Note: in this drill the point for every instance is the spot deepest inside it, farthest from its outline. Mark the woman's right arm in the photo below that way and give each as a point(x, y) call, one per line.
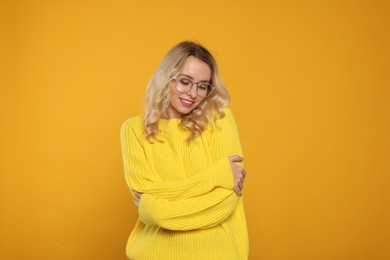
point(192, 203)
point(141, 178)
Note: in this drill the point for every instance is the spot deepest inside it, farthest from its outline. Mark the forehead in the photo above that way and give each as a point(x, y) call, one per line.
point(196, 69)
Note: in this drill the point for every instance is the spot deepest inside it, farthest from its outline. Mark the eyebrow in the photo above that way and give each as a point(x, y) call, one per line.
point(193, 78)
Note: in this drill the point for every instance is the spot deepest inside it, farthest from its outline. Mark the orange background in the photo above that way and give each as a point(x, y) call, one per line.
point(309, 82)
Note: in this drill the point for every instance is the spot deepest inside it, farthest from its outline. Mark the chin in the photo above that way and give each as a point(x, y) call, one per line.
point(186, 112)
point(191, 109)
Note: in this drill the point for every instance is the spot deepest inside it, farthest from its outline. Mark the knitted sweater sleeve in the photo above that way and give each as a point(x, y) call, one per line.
point(200, 212)
point(201, 201)
point(204, 209)
point(141, 178)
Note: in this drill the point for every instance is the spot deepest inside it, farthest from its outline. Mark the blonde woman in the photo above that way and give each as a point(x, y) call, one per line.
point(183, 164)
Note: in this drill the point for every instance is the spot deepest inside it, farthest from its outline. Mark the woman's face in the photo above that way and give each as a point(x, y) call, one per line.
point(183, 103)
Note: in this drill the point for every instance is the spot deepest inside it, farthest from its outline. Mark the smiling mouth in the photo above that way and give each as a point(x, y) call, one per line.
point(186, 103)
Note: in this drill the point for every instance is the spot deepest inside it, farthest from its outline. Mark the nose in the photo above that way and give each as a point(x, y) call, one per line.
point(193, 91)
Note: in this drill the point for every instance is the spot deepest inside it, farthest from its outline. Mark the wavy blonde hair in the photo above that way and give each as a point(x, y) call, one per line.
point(158, 92)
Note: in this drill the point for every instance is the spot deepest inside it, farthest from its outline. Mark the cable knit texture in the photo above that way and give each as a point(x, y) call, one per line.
point(188, 209)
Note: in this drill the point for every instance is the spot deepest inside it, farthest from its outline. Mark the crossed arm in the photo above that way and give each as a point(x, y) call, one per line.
point(200, 201)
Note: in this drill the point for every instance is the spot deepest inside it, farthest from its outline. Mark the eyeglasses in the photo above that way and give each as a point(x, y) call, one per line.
point(184, 84)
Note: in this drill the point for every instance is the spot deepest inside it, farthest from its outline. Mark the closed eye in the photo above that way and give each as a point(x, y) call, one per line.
point(185, 82)
point(203, 86)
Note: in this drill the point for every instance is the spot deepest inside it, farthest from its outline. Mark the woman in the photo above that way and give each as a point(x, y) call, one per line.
point(182, 163)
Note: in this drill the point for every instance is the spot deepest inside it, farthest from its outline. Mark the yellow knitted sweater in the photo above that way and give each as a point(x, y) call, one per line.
point(188, 209)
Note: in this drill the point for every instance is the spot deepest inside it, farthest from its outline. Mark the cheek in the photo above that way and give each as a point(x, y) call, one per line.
point(172, 94)
point(171, 98)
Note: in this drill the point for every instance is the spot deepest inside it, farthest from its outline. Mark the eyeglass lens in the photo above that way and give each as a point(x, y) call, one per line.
point(184, 85)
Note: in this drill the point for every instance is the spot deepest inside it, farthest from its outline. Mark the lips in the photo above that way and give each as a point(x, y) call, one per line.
point(186, 102)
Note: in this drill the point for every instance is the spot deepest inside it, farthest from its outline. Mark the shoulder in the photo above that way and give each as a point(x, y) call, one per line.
point(132, 124)
point(222, 120)
point(226, 117)
point(228, 113)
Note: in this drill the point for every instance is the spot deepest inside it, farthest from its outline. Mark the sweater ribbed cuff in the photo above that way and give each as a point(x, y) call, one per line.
point(145, 209)
point(223, 174)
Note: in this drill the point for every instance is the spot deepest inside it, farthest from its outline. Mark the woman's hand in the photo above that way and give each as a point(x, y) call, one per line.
point(238, 174)
point(136, 201)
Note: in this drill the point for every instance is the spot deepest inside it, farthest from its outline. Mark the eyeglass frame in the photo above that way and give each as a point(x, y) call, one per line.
point(177, 77)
